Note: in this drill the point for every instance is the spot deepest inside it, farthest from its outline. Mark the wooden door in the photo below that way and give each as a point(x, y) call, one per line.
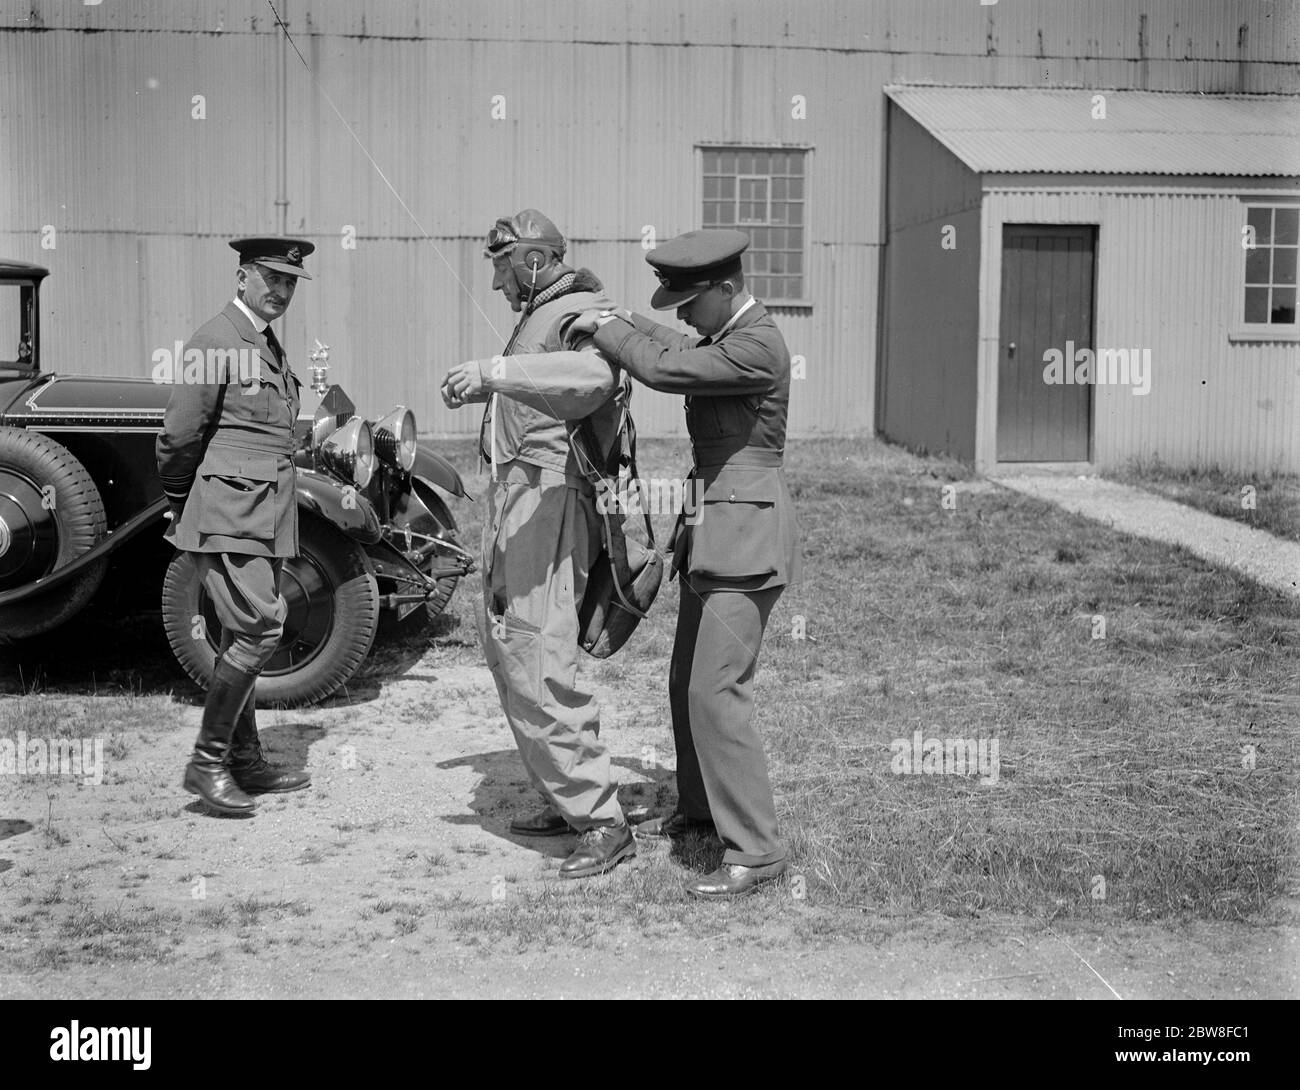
point(1047, 288)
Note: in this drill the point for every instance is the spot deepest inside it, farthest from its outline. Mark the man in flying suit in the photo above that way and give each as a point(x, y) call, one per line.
point(737, 551)
point(542, 534)
point(225, 459)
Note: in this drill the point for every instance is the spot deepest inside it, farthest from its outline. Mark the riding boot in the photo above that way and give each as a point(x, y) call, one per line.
point(207, 775)
point(248, 764)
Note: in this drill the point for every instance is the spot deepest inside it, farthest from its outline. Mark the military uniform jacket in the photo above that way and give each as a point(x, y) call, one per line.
point(226, 446)
point(739, 530)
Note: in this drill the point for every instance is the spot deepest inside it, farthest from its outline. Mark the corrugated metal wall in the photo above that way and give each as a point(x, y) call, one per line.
point(1169, 278)
point(931, 303)
point(605, 104)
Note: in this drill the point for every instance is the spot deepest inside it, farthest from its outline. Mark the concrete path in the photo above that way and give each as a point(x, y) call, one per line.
point(1263, 556)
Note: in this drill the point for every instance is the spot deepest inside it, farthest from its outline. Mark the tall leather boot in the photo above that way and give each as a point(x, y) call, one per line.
point(248, 764)
point(207, 775)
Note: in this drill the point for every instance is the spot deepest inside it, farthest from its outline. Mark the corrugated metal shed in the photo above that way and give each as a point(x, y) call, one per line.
point(1033, 130)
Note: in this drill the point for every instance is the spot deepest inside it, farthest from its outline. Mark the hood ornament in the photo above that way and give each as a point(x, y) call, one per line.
point(320, 365)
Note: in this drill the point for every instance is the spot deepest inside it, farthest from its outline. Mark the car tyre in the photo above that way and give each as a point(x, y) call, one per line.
point(38, 536)
point(333, 616)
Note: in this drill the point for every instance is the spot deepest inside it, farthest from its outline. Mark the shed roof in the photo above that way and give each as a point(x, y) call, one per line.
point(1032, 130)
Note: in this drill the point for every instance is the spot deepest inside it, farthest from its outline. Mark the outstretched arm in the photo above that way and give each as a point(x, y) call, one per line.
point(740, 363)
point(566, 385)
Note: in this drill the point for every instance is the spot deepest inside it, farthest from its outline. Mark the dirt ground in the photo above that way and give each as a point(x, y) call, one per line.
point(394, 875)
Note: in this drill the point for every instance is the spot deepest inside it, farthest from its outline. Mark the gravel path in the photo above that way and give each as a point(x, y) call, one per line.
point(1264, 557)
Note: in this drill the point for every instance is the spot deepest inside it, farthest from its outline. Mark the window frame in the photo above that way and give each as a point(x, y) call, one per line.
point(805, 301)
point(1239, 328)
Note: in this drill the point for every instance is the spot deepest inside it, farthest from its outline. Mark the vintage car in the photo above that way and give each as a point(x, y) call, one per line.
point(82, 516)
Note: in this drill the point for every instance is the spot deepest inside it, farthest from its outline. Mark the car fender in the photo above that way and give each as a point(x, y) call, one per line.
point(343, 506)
point(113, 540)
point(435, 468)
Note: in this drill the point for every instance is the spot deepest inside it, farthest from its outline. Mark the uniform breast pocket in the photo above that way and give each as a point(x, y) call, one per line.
point(235, 495)
point(256, 400)
point(731, 416)
point(736, 534)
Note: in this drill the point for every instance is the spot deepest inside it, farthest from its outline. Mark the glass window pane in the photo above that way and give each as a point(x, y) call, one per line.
point(759, 264)
point(780, 162)
point(1283, 312)
point(761, 162)
point(710, 162)
point(794, 262)
point(794, 213)
point(778, 212)
point(727, 162)
point(795, 240)
point(1285, 224)
point(1257, 304)
point(728, 188)
point(776, 262)
point(726, 214)
point(1257, 265)
point(710, 188)
point(778, 189)
point(796, 188)
point(759, 238)
point(711, 213)
point(1260, 219)
point(1283, 266)
point(796, 162)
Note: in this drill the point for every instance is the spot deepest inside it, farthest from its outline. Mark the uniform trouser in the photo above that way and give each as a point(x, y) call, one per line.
point(721, 769)
point(539, 540)
point(245, 591)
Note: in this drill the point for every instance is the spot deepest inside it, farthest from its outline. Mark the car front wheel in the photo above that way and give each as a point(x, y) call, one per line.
point(333, 615)
point(50, 513)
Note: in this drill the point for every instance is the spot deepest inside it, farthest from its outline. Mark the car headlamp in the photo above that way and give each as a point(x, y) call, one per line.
point(395, 438)
point(350, 452)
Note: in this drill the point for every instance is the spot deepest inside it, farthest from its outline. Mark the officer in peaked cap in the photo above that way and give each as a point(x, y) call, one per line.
point(225, 459)
point(693, 263)
point(282, 255)
point(738, 549)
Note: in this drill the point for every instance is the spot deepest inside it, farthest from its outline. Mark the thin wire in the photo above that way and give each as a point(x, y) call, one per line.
point(1084, 960)
point(379, 170)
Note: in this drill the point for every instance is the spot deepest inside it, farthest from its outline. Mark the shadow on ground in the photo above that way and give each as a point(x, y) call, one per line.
point(104, 651)
point(503, 792)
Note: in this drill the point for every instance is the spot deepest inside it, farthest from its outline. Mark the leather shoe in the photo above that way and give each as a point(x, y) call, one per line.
point(732, 880)
point(599, 850)
point(546, 822)
point(674, 827)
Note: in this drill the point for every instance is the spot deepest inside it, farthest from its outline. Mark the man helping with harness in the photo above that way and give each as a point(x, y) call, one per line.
point(739, 551)
point(553, 412)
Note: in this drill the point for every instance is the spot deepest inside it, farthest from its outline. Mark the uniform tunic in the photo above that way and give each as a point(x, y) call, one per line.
point(225, 453)
point(739, 549)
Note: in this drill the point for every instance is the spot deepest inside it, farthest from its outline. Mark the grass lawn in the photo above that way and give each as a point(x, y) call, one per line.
point(1144, 704)
point(1140, 705)
point(1269, 503)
